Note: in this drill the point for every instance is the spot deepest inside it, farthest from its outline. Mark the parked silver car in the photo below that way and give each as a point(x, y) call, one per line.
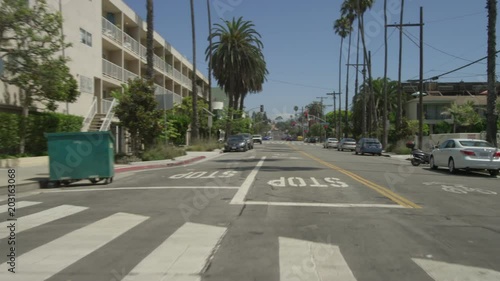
point(469, 154)
point(331, 142)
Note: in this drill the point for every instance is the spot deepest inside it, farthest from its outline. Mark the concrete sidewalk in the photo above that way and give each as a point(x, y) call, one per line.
point(30, 177)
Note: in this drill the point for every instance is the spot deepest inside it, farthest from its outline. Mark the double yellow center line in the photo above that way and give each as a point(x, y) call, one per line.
point(398, 199)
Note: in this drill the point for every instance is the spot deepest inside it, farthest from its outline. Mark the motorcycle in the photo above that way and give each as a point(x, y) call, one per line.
point(419, 157)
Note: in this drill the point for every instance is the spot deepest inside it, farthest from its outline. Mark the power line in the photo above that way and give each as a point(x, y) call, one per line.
point(411, 39)
point(300, 85)
point(457, 17)
point(382, 45)
point(462, 67)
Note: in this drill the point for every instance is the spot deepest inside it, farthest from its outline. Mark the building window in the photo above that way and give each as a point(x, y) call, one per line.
point(86, 84)
point(85, 37)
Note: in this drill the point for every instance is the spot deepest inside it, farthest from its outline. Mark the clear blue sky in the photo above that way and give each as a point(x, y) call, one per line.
point(302, 50)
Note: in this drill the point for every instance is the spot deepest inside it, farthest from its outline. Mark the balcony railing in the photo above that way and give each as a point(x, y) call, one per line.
point(111, 31)
point(177, 75)
point(166, 99)
point(112, 70)
point(159, 63)
point(130, 43)
point(169, 69)
point(129, 75)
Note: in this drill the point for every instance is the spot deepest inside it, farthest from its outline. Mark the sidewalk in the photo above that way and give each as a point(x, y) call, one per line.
point(29, 177)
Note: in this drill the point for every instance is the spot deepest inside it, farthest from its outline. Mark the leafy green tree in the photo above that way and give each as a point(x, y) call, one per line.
point(463, 115)
point(137, 111)
point(30, 41)
point(237, 61)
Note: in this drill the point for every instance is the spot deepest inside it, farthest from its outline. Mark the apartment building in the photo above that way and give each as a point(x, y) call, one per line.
point(108, 48)
point(440, 96)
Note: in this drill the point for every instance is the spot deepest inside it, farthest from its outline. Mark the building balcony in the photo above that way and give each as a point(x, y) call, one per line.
point(166, 99)
point(129, 75)
point(111, 31)
point(112, 70)
point(131, 44)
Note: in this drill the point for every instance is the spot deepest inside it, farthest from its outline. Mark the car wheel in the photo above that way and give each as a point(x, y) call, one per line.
point(493, 173)
point(451, 166)
point(356, 152)
point(431, 163)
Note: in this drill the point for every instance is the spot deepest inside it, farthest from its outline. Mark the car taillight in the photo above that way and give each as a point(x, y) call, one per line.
point(468, 152)
point(497, 154)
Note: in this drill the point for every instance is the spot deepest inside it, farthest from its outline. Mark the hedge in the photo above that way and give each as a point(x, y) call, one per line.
point(38, 124)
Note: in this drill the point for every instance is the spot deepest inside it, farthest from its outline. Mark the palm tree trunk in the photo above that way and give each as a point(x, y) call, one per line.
point(195, 120)
point(339, 121)
point(491, 129)
point(210, 57)
point(384, 119)
point(346, 124)
point(149, 40)
point(373, 116)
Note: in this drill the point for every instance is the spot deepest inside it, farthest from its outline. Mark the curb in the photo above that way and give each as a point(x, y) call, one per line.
point(123, 170)
point(155, 166)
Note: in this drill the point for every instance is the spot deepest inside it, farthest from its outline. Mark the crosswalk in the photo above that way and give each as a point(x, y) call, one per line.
point(293, 143)
point(185, 253)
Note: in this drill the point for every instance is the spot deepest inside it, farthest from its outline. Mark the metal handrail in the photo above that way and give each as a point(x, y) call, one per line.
point(109, 116)
point(90, 115)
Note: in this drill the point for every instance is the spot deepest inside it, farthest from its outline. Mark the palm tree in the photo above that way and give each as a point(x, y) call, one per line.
point(384, 119)
point(149, 40)
point(343, 27)
point(491, 129)
point(195, 121)
point(360, 7)
point(237, 61)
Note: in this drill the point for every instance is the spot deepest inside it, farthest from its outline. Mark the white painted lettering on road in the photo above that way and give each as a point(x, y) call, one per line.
point(311, 182)
point(459, 188)
point(201, 175)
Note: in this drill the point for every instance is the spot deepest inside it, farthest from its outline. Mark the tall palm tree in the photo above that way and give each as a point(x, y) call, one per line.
point(237, 61)
point(399, 115)
point(343, 28)
point(210, 57)
point(384, 119)
point(149, 40)
point(195, 121)
point(491, 127)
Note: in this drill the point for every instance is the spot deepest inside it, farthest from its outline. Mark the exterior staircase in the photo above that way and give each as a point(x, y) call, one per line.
point(97, 122)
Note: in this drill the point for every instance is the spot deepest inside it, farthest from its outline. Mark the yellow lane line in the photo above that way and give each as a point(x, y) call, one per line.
point(398, 199)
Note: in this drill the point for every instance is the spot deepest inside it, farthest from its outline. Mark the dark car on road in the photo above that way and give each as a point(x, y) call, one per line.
point(369, 145)
point(249, 139)
point(236, 143)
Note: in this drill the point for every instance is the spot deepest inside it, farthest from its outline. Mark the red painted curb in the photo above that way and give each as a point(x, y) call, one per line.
point(155, 166)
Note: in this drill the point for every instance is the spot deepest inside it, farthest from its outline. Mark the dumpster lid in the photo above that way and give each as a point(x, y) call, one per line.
point(67, 134)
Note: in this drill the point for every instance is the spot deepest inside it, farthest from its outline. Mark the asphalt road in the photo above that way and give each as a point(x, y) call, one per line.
point(283, 211)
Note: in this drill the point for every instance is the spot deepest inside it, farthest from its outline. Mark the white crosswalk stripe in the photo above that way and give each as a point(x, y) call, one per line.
point(47, 260)
point(181, 257)
point(308, 261)
point(18, 205)
point(37, 219)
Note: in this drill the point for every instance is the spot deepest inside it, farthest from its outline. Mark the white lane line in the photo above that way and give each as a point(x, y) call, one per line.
point(182, 256)
point(442, 271)
point(18, 205)
point(239, 197)
point(141, 188)
point(329, 205)
point(49, 259)
point(37, 219)
point(311, 261)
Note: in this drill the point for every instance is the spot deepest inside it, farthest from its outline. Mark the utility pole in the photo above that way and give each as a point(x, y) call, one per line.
point(421, 79)
point(364, 97)
point(338, 118)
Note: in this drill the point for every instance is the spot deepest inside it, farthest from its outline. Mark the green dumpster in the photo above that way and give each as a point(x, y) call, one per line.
point(79, 156)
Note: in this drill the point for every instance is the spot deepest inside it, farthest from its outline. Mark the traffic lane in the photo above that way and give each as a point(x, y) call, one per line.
point(226, 170)
point(377, 244)
point(287, 176)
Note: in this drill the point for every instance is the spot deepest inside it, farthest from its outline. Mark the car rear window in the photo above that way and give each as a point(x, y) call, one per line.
point(476, 143)
point(349, 140)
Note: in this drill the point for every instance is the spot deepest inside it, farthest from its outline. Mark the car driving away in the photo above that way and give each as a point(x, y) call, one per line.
point(346, 143)
point(236, 143)
point(331, 142)
point(257, 138)
point(468, 154)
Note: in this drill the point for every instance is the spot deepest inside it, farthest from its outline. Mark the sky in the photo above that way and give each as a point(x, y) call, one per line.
point(302, 50)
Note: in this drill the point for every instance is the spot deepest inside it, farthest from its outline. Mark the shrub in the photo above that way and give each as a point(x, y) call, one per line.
point(205, 146)
point(38, 124)
point(161, 152)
